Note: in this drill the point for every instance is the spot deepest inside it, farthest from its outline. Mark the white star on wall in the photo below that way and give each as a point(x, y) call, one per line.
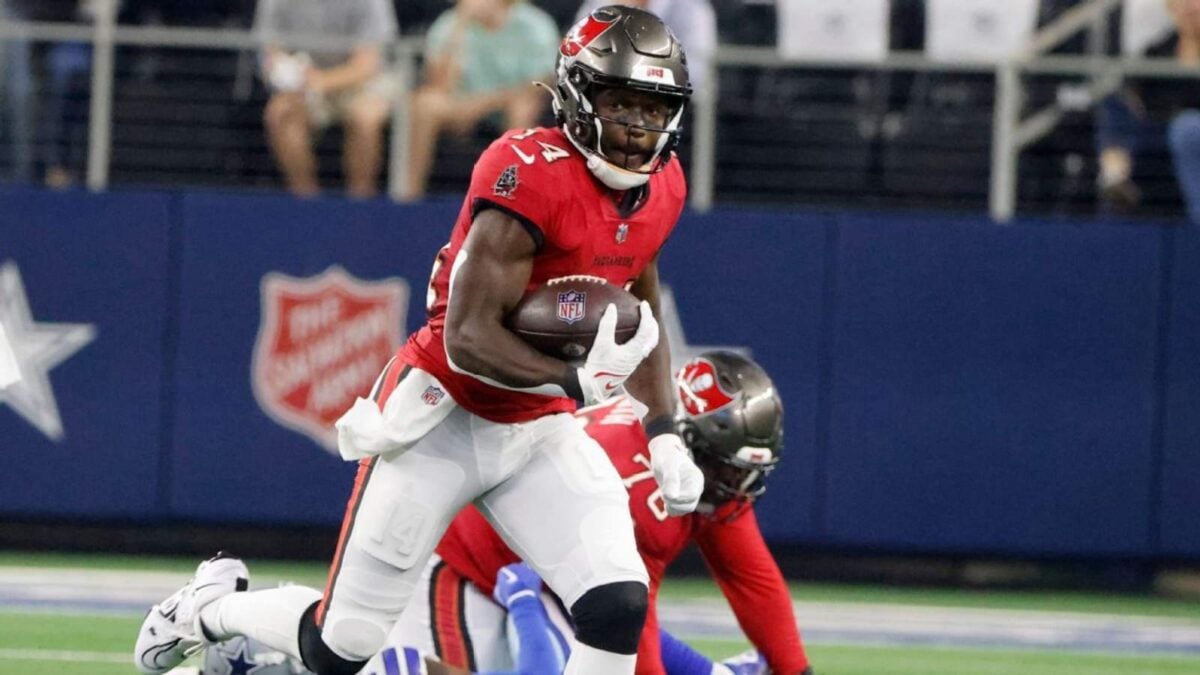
point(38, 348)
point(9, 373)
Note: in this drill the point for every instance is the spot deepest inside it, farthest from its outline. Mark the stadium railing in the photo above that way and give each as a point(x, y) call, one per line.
point(1011, 131)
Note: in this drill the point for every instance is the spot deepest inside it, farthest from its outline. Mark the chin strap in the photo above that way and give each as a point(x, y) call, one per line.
point(610, 174)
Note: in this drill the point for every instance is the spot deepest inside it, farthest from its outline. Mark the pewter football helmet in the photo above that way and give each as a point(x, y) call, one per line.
point(619, 47)
point(730, 415)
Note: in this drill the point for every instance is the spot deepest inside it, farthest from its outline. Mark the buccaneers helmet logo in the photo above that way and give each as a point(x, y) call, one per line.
point(583, 33)
point(699, 390)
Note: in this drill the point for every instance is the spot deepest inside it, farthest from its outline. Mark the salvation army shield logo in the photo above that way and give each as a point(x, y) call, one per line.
point(322, 342)
point(572, 305)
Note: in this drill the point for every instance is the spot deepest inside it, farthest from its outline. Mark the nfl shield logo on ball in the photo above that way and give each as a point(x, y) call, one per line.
point(572, 305)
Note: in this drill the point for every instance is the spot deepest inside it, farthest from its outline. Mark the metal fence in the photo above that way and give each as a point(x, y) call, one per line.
point(1012, 129)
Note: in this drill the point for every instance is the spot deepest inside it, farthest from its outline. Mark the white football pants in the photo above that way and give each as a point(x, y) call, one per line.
point(547, 488)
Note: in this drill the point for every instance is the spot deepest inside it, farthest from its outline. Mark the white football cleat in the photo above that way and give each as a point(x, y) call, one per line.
point(171, 631)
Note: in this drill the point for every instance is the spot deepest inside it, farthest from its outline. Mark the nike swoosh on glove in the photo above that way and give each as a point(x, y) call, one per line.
point(609, 364)
point(678, 476)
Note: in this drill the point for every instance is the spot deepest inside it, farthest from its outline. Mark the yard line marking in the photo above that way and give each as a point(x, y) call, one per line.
point(71, 609)
point(911, 625)
point(127, 594)
point(62, 655)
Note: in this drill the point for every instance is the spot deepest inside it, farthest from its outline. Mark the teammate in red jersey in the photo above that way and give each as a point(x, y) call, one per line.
point(467, 412)
point(731, 416)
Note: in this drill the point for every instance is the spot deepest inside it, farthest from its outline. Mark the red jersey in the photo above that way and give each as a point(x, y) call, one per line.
point(539, 178)
point(734, 550)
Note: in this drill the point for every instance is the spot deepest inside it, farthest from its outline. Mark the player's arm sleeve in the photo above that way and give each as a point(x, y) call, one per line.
point(747, 574)
point(526, 191)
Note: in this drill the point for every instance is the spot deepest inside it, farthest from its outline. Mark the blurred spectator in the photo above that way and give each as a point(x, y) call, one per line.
point(311, 89)
point(1183, 133)
point(17, 87)
point(692, 21)
point(1120, 123)
point(67, 67)
point(1184, 137)
point(1186, 14)
point(480, 59)
point(1129, 122)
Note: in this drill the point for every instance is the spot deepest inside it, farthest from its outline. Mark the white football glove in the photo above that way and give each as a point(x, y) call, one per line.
point(609, 364)
point(678, 476)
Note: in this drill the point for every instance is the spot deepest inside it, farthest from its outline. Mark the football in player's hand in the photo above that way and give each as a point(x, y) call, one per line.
point(560, 318)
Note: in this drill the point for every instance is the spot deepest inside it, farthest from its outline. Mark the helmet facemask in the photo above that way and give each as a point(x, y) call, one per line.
point(730, 476)
point(586, 125)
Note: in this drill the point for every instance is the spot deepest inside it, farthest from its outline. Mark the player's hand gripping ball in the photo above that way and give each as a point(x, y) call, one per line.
point(560, 318)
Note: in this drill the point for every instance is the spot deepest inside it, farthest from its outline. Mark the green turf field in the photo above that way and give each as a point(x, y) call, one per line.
point(48, 641)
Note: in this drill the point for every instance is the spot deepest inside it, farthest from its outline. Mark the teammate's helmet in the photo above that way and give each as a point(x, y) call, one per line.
point(731, 417)
point(625, 47)
point(245, 655)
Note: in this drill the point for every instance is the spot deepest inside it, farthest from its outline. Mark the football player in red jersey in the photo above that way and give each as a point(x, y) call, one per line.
point(468, 413)
point(731, 416)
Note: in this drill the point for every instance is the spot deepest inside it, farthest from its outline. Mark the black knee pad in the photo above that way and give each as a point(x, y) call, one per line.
point(610, 617)
point(316, 655)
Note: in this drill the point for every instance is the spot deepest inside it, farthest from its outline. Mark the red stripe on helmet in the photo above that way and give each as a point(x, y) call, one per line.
point(583, 33)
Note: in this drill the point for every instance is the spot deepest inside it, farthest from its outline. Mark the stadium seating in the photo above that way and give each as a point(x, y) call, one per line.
point(785, 135)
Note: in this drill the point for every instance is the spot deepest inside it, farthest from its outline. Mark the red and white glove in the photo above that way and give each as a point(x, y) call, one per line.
point(680, 480)
point(609, 364)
